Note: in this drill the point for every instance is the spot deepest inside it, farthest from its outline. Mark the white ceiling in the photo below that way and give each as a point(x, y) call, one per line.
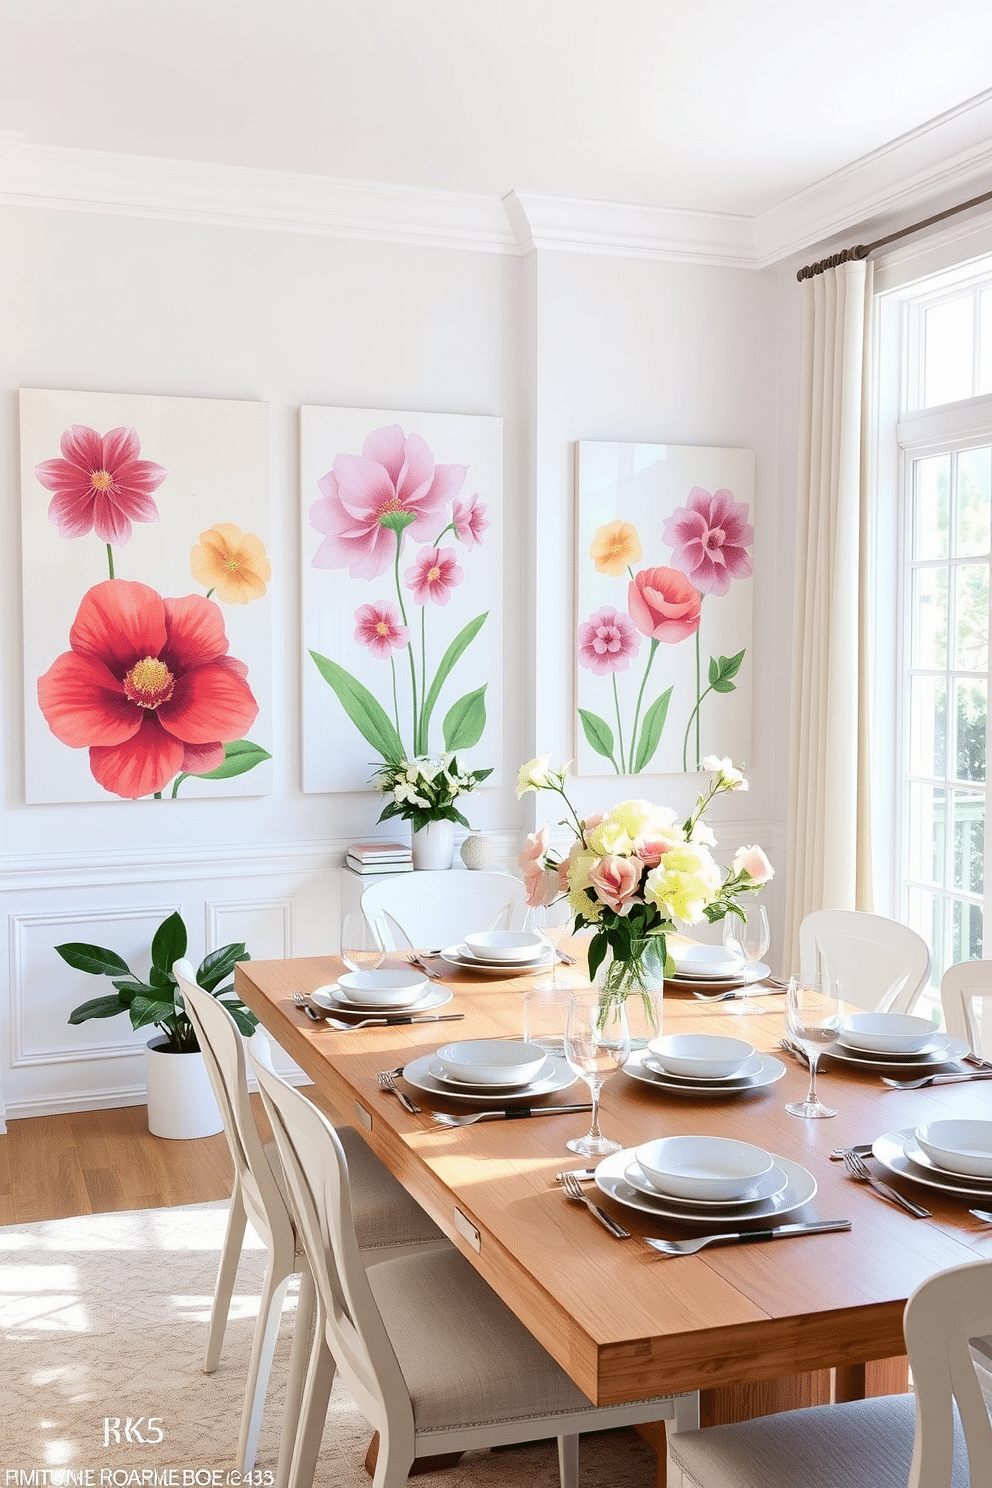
point(709, 105)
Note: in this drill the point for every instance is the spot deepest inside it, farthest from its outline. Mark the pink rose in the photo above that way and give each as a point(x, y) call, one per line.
point(753, 862)
point(540, 883)
point(588, 822)
point(615, 880)
point(651, 850)
point(663, 604)
point(543, 888)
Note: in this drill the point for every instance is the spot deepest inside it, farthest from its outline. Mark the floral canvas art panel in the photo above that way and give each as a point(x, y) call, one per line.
point(147, 626)
point(402, 591)
point(664, 545)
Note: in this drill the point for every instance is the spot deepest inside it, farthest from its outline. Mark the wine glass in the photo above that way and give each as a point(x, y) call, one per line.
point(554, 922)
point(597, 1044)
point(361, 949)
point(813, 1017)
point(749, 937)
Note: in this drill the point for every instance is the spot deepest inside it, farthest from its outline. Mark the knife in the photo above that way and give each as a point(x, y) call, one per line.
point(515, 1111)
point(745, 1237)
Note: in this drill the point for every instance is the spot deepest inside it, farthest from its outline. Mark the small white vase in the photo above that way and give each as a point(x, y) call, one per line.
point(181, 1101)
point(434, 845)
point(476, 852)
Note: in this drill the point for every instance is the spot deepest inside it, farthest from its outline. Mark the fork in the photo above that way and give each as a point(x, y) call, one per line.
point(573, 1190)
point(948, 1079)
point(689, 1247)
point(428, 971)
point(857, 1168)
point(300, 1001)
point(443, 1118)
point(387, 1081)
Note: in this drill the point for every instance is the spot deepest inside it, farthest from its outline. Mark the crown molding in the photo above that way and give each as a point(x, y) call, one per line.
point(941, 158)
point(236, 196)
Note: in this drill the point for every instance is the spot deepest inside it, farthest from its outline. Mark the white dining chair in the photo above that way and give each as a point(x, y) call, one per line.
point(960, 987)
point(386, 1216)
point(426, 911)
point(435, 1361)
point(882, 966)
point(879, 1443)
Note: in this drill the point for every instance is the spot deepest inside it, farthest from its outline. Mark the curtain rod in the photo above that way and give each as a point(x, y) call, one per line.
point(862, 250)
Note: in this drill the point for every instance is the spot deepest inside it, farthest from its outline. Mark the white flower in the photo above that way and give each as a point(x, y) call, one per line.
point(535, 775)
point(730, 777)
point(753, 861)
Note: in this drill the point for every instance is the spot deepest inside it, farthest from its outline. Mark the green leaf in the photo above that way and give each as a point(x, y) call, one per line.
point(465, 720)
point(368, 716)
point(240, 756)
point(219, 964)
point(598, 734)
point(144, 1011)
point(169, 943)
point(651, 730)
point(597, 952)
point(92, 959)
point(160, 979)
point(463, 639)
point(721, 671)
point(98, 1007)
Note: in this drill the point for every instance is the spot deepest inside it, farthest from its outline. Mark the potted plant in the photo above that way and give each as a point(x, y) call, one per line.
point(181, 1103)
point(424, 792)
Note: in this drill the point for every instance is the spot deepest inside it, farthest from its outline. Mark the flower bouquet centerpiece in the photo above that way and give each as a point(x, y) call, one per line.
point(424, 792)
point(633, 873)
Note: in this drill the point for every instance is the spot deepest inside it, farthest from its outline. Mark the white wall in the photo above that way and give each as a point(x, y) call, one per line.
point(562, 346)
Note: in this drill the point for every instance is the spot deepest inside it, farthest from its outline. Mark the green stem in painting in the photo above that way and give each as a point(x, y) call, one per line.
point(616, 704)
point(110, 560)
point(640, 697)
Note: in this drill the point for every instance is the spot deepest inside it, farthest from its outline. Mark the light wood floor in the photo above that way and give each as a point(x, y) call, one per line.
point(92, 1162)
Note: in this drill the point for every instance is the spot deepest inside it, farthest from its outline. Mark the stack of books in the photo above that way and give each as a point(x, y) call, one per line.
point(379, 857)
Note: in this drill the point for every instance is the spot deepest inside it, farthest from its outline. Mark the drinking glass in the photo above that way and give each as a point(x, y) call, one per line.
point(813, 1016)
point(749, 938)
point(554, 922)
point(546, 1018)
point(597, 1044)
point(361, 949)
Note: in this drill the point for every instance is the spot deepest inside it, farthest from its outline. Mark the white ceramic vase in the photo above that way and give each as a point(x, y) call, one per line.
point(181, 1101)
point(434, 845)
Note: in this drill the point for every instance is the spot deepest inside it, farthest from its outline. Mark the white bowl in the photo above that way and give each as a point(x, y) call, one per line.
point(506, 945)
point(492, 1061)
point(385, 989)
point(959, 1146)
point(705, 960)
point(701, 1054)
point(704, 1167)
point(887, 1033)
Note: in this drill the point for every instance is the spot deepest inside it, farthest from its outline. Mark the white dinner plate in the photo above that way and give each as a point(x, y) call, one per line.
point(332, 998)
point(438, 1072)
point(770, 1183)
point(558, 1075)
point(923, 1160)
point(891, 1153)
point(937, 1045)
point(750, 974)
point(771, 1069)
point(922, 1062)
point(748, 1068)
point(799, 1190)
point(458, 955)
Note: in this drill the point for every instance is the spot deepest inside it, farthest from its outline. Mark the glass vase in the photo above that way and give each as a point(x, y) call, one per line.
point(638, 981)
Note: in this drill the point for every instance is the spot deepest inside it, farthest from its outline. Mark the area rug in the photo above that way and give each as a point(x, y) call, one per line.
point(104, 1321)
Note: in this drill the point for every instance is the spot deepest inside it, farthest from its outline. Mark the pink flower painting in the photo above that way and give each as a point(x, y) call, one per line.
point(384, 516)
point(710, 537)
point(367, 499)
point(608, 641)
point(663, 605)
point(100, 484)
point(147, 687)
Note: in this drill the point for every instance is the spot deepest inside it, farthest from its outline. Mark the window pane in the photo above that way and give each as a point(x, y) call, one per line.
point(985, 344)
point(926, 833)
point(928, 726)
point(974, 501)
point(966, 932)
point(925, 914)
point(970, 716)
point(947, 374)
point(929, 618)
point(971, 630)
point(969, 841)
point(931, 504)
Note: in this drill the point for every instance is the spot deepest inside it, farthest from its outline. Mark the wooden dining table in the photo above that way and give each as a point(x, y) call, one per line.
point(753, 1327)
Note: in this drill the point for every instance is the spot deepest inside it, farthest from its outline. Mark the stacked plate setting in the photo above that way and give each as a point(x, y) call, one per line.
point(344, 997)
point(712, 1181)
point(703, 1064)
point(503, 953)
point(953, 1155)
point(714, 967)
point(884, 1040)
point(496, 1072)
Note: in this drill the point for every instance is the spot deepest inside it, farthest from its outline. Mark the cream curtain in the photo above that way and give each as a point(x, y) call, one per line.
point(829, 862)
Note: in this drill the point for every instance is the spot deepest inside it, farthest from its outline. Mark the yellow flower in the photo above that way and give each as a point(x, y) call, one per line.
point(685, 881)
point(231, 562)
point(615, 548)
point(535, 775)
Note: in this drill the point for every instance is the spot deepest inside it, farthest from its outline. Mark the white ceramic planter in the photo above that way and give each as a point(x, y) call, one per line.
point(434, 845)
point(181, 1102)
